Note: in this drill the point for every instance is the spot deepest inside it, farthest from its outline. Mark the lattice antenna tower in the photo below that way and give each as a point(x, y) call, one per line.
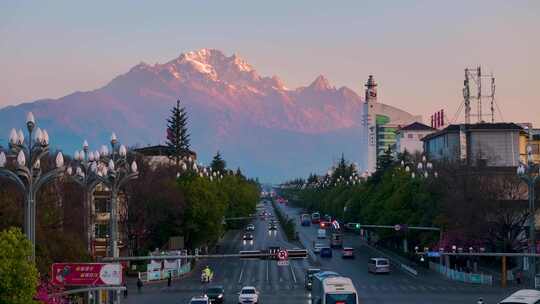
point(478, 89)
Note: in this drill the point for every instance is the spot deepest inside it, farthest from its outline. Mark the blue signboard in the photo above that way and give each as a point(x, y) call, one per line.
point(433, 254)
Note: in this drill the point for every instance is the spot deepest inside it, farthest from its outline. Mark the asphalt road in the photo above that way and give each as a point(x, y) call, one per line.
point(398, 286)
point(277, 284)
point(285, 284)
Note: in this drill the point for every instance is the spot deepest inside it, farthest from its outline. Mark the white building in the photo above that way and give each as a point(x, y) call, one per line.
point(380, 123)
point(409, 137)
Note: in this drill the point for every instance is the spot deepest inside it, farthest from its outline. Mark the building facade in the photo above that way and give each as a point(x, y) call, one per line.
point(489, 144)
point(100, 216)
point(532, 138)
point(380, 123)
point(159, 155)
point(409, 138)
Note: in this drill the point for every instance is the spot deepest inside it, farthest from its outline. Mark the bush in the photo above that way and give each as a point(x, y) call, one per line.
point(288, 224)
point(18, 275)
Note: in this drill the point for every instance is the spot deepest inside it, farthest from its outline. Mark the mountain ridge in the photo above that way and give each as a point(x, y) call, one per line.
point(226, 99)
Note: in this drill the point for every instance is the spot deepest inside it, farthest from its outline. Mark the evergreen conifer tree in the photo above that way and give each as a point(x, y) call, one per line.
point(218, 164)
point(177, 133)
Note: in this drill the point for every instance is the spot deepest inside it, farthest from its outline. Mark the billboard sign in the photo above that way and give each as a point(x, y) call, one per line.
point(87, 274)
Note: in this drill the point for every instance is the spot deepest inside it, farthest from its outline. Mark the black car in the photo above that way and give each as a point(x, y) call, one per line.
point(248, 237)
point(216, 294)
point(272, 227)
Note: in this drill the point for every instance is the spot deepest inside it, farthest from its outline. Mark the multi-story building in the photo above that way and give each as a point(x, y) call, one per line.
point(100, 215)
point(529, 136)
point(380, 124)
point(409, 137)
point(488, 144)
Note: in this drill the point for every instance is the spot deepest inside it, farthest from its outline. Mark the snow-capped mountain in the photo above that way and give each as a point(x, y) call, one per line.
point(256, 121)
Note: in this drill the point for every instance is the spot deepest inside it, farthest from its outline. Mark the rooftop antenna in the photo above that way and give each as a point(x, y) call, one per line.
point(472, 93)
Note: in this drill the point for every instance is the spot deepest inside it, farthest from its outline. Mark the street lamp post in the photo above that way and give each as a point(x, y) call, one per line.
point(530, 175)
point(81, 173)
point(27, 173)
point(114, 171)
point(421, 169)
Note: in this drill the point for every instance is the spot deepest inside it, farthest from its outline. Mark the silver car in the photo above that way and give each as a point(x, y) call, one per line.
point(379, 265)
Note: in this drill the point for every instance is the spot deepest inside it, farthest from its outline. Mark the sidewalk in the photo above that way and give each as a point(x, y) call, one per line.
point(225, 240)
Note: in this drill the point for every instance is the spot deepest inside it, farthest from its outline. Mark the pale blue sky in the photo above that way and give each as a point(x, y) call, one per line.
point(417, 50)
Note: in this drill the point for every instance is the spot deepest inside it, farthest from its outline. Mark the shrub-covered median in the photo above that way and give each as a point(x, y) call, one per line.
point(286, 223)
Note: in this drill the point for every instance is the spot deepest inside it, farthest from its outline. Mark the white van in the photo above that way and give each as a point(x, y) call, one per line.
point(379, 265)
point(321, 234)
point(524, 296)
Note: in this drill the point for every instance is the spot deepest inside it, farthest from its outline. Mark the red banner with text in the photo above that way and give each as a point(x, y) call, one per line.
point(87, 274)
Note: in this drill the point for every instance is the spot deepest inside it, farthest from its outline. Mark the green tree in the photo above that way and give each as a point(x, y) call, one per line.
point(177, 133)
point(18, 275)
point(218, 164)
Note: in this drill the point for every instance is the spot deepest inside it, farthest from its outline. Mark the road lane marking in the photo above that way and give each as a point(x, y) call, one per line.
point(267, 271)
point(292, 271)
point(241, 274)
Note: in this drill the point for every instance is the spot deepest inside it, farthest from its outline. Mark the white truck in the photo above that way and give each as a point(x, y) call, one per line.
point(333, 289)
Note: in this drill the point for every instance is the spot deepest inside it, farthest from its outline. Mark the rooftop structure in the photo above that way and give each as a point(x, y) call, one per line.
point(380, 123)
point(490, 144)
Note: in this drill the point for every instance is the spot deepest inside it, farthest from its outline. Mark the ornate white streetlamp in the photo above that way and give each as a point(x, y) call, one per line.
point(26, 170)
point(81, 172)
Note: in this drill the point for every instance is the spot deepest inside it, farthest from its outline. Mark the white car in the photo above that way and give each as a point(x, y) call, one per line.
point(523, 296)
point(248, 295)
point(200, 300)
point(317, 247)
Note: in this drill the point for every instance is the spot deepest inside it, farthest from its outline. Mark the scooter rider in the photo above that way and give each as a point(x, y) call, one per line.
point(208, 273)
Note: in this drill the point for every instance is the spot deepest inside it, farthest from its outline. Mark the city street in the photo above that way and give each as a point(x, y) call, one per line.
point(285, 284)
point(277, 284)
point(398, 286)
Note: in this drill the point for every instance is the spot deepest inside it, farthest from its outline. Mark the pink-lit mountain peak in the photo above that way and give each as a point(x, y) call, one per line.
point(321, 83)
point(212, 65)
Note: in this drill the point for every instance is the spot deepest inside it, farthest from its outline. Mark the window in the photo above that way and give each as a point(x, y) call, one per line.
point(410, 136)
point(101, 205)
point(535, 148)
point(102, 230)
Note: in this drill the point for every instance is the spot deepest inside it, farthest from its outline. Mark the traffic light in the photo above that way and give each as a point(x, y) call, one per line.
point(353, 225)
point(297, 253)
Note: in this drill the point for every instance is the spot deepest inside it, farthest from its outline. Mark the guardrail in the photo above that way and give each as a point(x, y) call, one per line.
point(147, 276)
point(473, 278)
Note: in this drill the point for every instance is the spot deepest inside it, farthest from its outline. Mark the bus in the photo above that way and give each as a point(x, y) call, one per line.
point(305, 219)
point(333, 290)
point(315, 217)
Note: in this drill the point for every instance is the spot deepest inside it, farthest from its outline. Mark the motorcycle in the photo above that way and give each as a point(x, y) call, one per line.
point(206, 278)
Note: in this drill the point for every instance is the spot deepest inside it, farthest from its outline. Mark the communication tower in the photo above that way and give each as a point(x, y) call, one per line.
point(478, 89)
